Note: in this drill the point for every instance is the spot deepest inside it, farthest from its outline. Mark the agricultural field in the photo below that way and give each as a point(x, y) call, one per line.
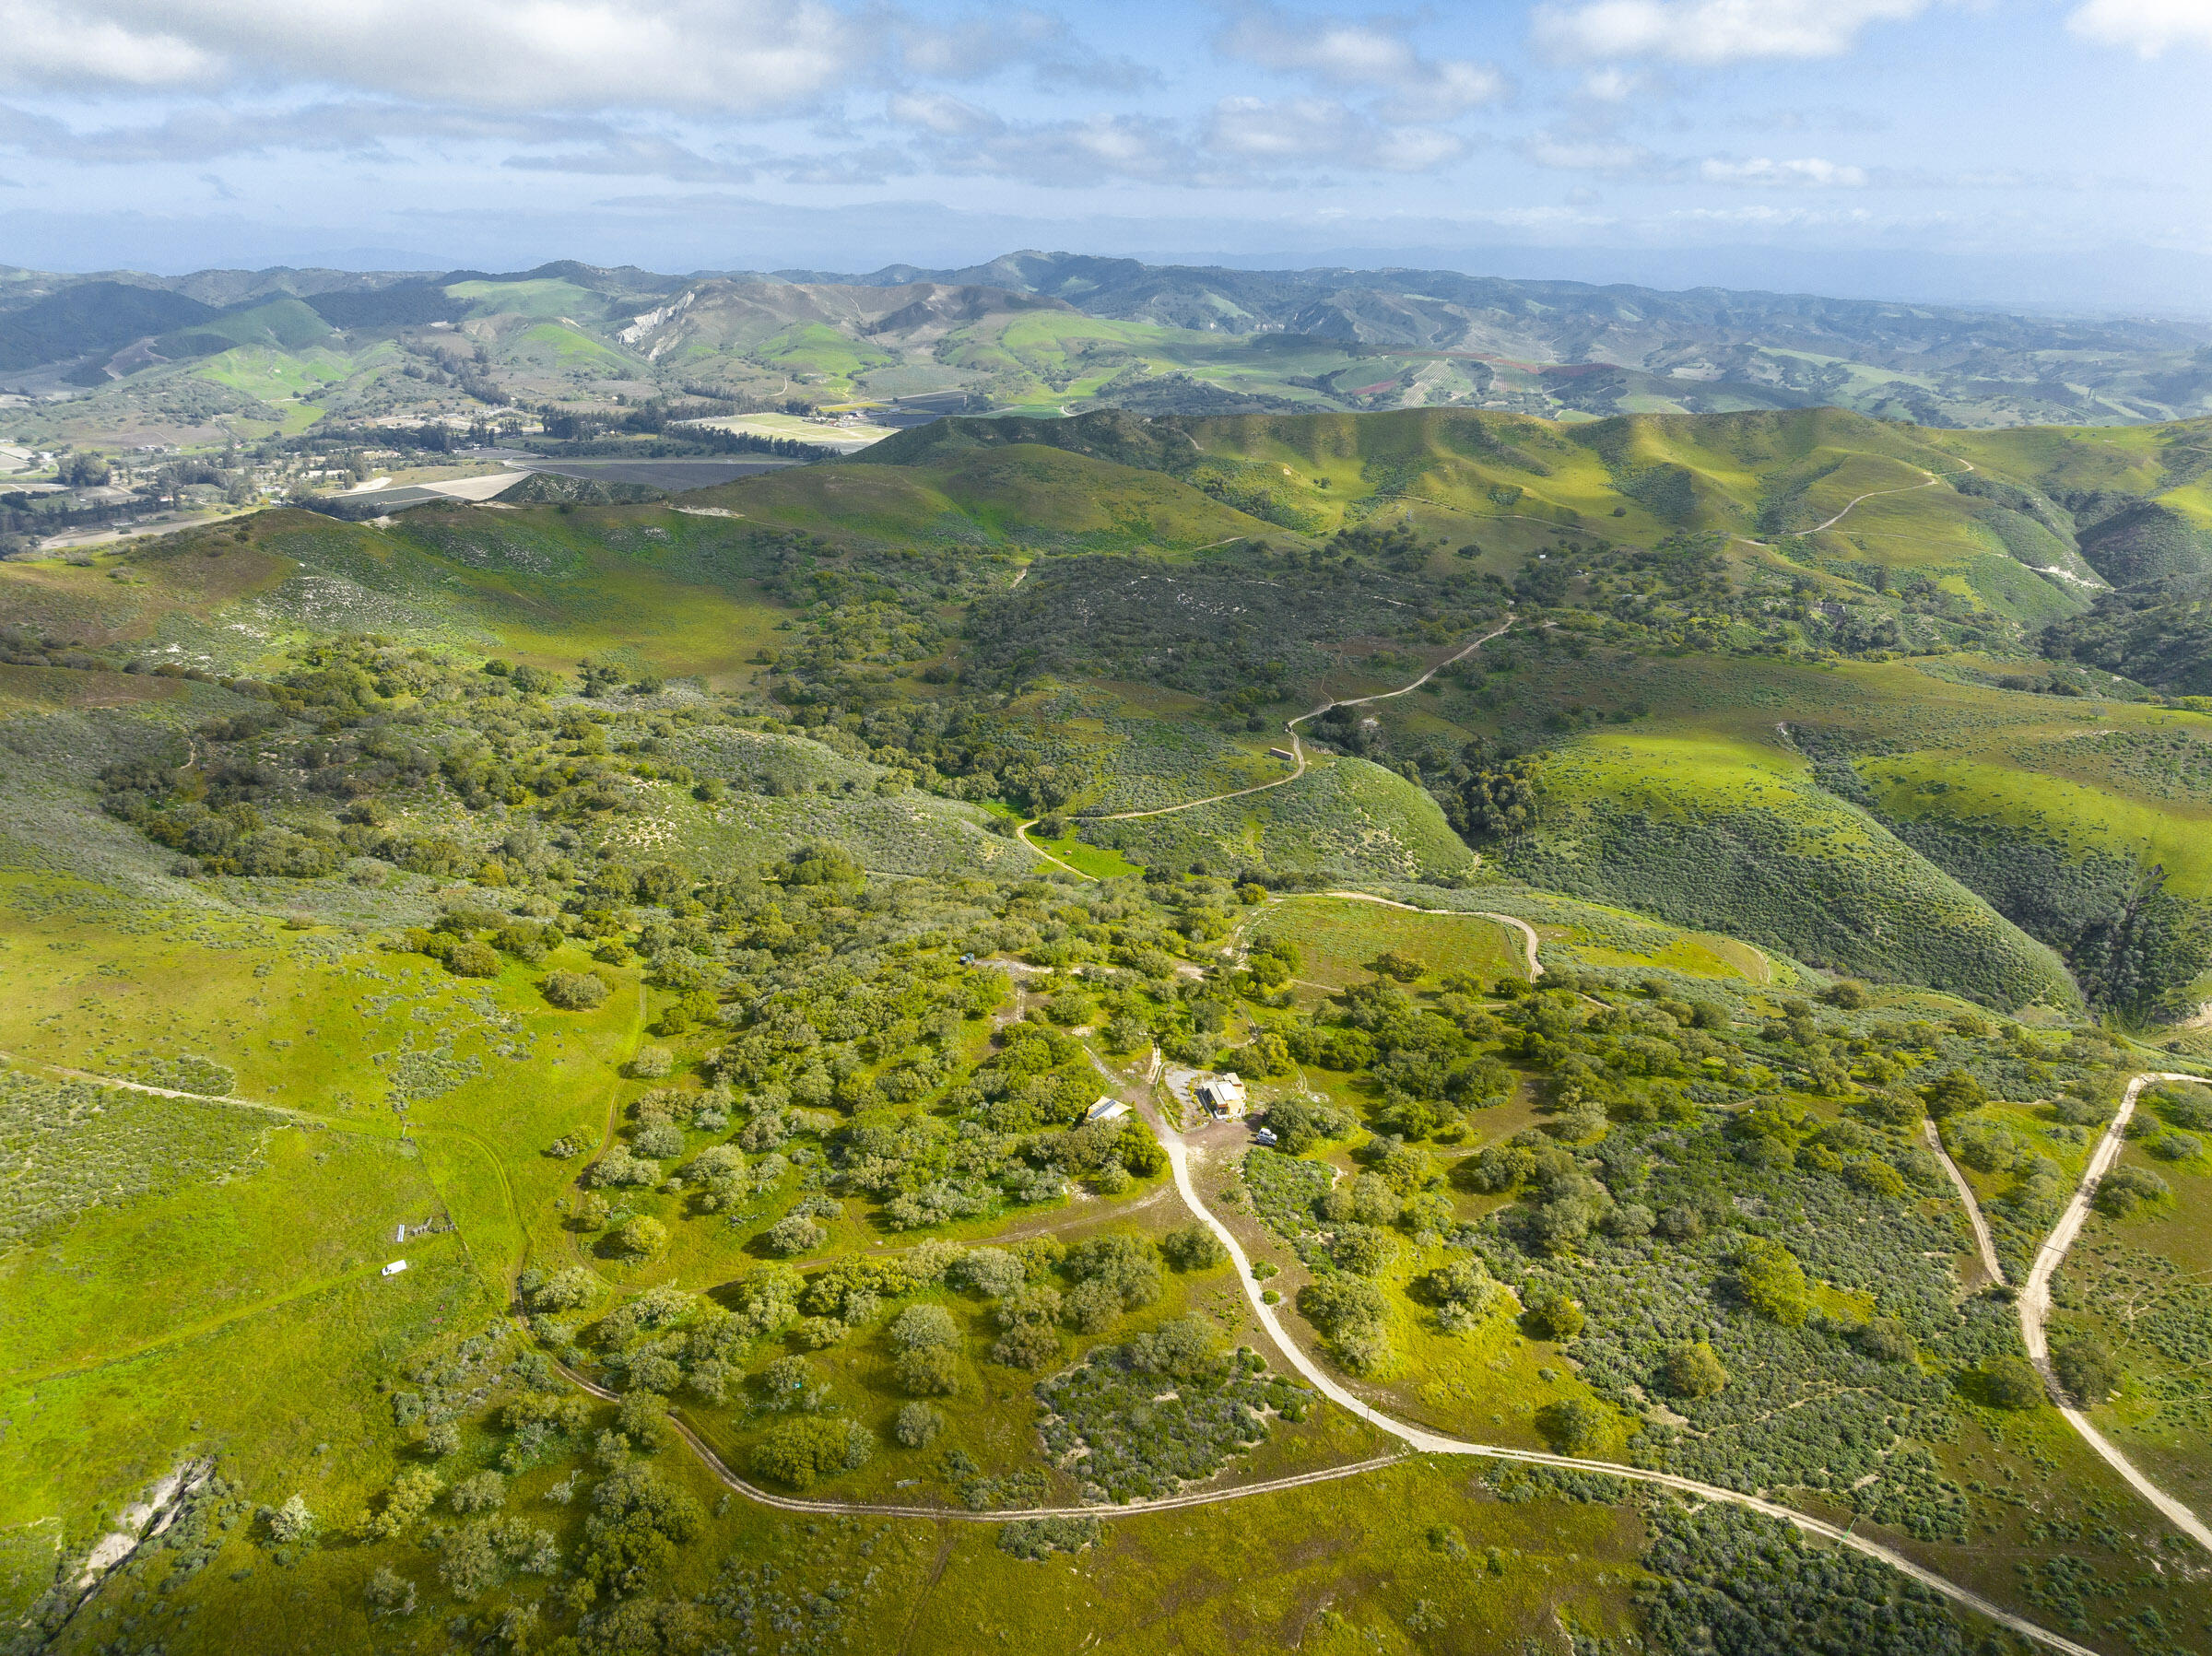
point(755, 959)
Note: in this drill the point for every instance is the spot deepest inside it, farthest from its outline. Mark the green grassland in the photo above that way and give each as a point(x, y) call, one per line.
point(293, 1223)
point(1736, 842)
point(1975, 555)
point(666, 589)
point(1028, 496)
point(543, 299)
point(1339, 938)
point(1342, 817)
point(553, 345)
point(593, 885)
point(2134, 1282)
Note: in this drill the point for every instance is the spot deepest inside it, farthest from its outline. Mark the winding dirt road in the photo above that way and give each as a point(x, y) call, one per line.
point(1417, 1440)
point(1298, 754)
point(1298, 749)
point(1973, 1209)
point(1875, 494)
point(789, 1503)
point(1428, 1442)
point(2035, 1308)
point(1528, 932)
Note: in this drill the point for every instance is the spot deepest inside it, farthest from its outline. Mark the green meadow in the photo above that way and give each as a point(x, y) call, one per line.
point(709, 935)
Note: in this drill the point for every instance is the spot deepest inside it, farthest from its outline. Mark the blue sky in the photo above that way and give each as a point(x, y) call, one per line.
point(2037, 151)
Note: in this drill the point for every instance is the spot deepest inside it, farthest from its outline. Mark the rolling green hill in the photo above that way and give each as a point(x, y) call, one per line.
point(1052, 334)
point(1798, 536)
point(695, 934)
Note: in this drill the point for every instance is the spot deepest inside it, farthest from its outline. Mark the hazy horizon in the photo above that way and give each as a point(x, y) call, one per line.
point(2030, 153)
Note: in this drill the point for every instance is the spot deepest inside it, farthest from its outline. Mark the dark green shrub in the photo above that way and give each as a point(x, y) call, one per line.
point(921, 1326)
point(2126, 1188)
point(1953, 1093)
point(918, 1424)
point(1365, 1250)
point(575, 990)
point(1773, 1282)
point(794, 1234)
point(1571, 1427)
point(1027, 1345)
point(927, 1371)
point(2007, 1383)
point(1299, 1125)
point(1037, 1538)
point(1552, 1315)
point(796, 1452)
point(1693, 1372)
point(1886, 1340)
point(1348, 1310)
point(2085, 1369)
point(469, 959)
point(1192, 1247)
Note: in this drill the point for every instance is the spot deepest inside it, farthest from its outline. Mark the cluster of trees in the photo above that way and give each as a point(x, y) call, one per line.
point(1170, 1407)
point(1683, 1250)
point(356, 728)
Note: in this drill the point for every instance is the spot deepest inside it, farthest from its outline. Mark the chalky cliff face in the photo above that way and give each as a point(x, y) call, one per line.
point(907, 1117)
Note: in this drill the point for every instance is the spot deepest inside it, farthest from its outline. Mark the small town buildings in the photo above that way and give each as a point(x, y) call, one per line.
point(1106, 1109)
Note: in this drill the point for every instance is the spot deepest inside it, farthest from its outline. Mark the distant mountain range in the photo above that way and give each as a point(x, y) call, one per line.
point(118, 357)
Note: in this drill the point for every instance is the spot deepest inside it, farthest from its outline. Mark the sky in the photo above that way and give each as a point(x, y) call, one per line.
point(2042, 153)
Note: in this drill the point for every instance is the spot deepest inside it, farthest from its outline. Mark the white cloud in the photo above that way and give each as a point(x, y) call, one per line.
point(1295, 129)
point(635, 155)
point(1713, 32)
point(1810, 172)
point(1323, 130)
point(944, 116)
point(49, 45)
point(727, 56)
point(1614, 155)
point(958, 137)
point(1098, 148)
point(357, 127)
point(2149, 26)
point(1413, 150)
point(876, 164)
point(1370, 55)
point(984, 44)
point(1613, 85)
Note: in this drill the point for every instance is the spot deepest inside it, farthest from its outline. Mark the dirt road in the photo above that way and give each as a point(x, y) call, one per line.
point(1428, 1443)
point(2035, 1308)
point(1973, 1208)
point(1528, 932)
point(1298, 749)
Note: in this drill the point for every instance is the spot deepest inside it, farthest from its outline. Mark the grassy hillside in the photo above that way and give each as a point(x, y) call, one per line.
point(1746, 550)
point(642, 905)
point(1030, 496)
point(153, 359)
point(1738, 839)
